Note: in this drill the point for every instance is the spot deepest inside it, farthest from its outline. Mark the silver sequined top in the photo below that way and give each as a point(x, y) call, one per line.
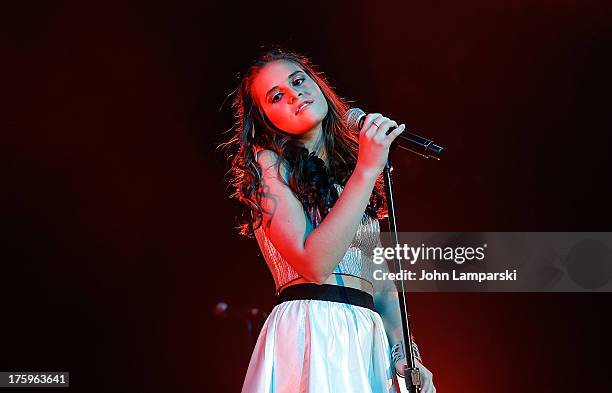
point(356, 262)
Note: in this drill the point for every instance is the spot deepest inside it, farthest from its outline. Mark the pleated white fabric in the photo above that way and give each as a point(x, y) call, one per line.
point(316, 346)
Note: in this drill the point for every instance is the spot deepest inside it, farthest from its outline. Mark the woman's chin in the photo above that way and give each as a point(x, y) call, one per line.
point(309, 128)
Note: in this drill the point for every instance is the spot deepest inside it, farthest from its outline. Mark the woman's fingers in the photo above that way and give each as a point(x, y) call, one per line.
point(368, 126)
point(377, 126)
point(395, 133)
point(427, 385)
point(383, 127)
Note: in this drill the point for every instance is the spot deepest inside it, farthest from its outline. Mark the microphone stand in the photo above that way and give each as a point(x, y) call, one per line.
point(412, 375)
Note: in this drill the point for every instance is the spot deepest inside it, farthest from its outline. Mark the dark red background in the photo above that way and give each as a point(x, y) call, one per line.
point(117, 230)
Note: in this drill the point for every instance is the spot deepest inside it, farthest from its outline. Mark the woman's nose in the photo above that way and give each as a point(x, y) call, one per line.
point(295, 96)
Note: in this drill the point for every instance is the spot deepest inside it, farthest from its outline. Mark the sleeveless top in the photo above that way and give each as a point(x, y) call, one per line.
point(357, 260)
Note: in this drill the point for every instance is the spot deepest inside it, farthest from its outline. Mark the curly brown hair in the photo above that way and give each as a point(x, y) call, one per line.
point(310, 180)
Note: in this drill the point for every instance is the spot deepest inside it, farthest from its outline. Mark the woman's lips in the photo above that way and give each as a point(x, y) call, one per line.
point(303, 105)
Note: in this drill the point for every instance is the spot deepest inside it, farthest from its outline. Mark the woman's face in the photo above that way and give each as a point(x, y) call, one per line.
point(291, 99)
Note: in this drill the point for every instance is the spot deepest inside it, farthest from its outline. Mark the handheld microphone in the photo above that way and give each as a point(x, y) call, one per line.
point(406, 140)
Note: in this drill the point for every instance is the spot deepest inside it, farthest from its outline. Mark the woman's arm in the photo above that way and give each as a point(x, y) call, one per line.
point(386, 302)
point(387, 305)
point(314, 254)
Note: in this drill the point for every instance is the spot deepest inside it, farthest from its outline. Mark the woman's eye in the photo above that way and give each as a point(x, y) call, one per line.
point(278, 96)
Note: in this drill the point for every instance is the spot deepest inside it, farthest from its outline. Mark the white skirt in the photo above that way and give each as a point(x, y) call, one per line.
point(317, 346)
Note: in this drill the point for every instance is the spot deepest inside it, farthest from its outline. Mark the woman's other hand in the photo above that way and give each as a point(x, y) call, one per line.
point(427, 385)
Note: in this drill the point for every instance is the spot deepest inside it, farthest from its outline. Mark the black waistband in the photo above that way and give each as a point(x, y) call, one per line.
point(332, 293)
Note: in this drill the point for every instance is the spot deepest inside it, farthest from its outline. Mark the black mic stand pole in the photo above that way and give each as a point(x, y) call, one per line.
point(412, 376)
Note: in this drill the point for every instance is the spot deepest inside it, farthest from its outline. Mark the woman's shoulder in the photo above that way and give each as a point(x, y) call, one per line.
point(269, 159)
point(265, 155)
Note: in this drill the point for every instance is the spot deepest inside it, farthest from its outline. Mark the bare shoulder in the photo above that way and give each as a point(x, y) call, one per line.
point(268, 160)
point(266, 157)
point(283, 214)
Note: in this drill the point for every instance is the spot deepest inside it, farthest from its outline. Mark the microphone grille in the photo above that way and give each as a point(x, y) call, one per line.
point(353, 116)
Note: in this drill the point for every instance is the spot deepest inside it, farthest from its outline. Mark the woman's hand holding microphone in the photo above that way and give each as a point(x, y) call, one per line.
point(374, 143)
